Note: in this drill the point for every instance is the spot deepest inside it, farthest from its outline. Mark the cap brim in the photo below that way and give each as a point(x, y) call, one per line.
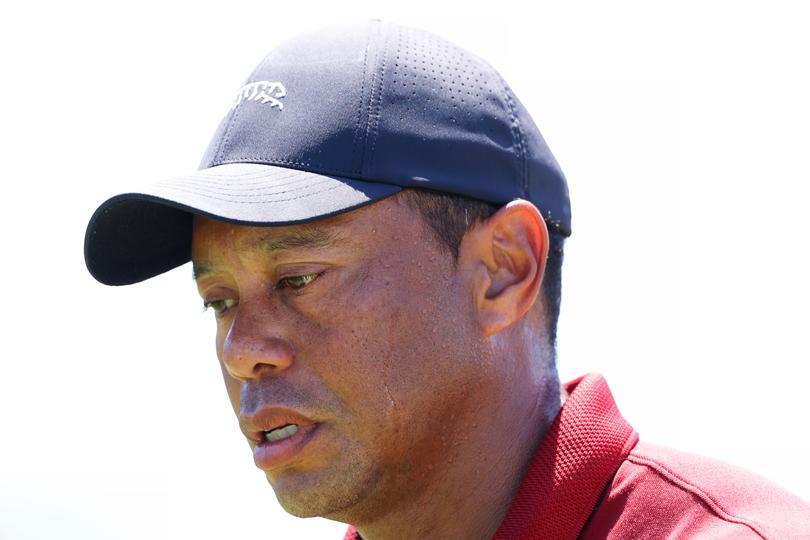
point(138, 235)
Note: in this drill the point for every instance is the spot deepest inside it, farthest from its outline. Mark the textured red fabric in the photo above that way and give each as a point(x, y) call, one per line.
point(351, 534)
point(663, 493)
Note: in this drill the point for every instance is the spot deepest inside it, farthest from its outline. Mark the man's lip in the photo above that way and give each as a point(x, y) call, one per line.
point(270, 456)
point(255, 424)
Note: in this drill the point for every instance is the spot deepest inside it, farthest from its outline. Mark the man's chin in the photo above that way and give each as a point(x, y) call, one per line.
point(306, 495)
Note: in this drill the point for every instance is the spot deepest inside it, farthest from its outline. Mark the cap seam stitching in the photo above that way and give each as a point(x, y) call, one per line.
point(243, 180)
point(246, 183)
point(200, 174)
point(264, 160)
point(379, 101)
point(269, 182)
point(358, 123)
point(518, 134)
point(368, 116)
point(268, 189)
point(259, 201)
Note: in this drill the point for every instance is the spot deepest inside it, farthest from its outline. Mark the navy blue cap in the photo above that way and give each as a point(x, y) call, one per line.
point(329, 121)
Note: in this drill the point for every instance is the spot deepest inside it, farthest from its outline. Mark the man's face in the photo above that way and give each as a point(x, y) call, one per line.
point(360, 330)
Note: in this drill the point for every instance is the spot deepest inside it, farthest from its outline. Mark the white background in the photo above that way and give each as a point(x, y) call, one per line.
point(683, 131)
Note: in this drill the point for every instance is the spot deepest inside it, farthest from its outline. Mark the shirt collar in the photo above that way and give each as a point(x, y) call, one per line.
point(580, 453)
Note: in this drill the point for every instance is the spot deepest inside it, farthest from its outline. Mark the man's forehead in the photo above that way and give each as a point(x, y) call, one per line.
point(208, 233)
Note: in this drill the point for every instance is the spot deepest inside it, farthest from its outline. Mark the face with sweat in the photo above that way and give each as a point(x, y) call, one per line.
point(352, 352)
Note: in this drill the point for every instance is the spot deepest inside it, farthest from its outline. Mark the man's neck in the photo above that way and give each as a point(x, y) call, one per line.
point(478, 487)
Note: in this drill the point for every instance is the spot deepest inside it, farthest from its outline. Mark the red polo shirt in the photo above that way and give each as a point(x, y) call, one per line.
point(591, 478)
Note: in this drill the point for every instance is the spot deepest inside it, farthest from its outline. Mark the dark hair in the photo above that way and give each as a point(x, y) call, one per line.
point(450, 216)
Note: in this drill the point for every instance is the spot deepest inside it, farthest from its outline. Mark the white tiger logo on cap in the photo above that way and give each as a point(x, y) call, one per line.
point(263, 91)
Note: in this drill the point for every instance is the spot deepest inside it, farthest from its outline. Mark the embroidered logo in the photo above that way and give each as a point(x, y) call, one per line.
point(263, 91)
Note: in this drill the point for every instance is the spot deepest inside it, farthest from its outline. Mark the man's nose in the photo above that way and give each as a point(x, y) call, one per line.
point(254, 348)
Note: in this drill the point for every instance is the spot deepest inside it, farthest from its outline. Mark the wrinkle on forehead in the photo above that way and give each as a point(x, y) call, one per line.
point(309, 237)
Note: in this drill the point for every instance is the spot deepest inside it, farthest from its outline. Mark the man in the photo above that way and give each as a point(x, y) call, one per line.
point(377, 226)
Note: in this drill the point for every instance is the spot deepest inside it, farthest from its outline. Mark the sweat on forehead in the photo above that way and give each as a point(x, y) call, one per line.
point(276, 240)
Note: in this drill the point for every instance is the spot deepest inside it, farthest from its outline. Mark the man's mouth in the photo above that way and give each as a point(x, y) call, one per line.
point(281, 433)
point(282, 445)
point(277, 435)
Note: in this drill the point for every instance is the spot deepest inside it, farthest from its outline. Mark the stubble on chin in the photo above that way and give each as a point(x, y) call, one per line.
point(337, 492)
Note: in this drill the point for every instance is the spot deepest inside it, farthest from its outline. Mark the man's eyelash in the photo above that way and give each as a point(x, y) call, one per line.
point(290, 282)
point(219, 306)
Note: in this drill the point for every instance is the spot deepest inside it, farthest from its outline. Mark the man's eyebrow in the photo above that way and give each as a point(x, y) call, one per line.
point(309, 237)
point(272, 242)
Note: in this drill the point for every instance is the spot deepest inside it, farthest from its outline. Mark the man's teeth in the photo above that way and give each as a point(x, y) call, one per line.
point(281, 433)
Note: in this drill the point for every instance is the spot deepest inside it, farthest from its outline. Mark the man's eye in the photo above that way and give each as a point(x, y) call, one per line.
point(296, 282)
point(220, 306)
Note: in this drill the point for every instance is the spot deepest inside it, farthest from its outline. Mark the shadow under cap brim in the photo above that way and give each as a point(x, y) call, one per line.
point(135, 236)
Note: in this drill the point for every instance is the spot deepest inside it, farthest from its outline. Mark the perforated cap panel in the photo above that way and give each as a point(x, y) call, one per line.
point(448, 119)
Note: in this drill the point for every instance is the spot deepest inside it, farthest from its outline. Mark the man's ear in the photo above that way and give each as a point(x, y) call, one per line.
point(506, 255)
